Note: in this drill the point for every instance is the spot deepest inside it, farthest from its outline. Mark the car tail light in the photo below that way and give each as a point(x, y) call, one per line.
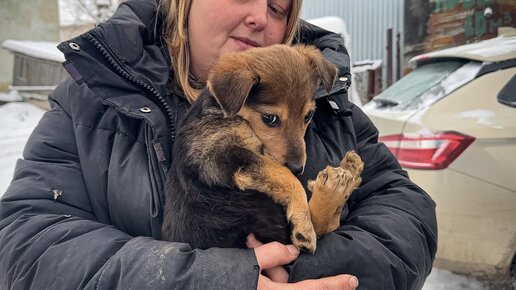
point(427, 151)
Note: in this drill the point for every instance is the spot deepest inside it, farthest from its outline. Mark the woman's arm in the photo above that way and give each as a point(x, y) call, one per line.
point(50, 237)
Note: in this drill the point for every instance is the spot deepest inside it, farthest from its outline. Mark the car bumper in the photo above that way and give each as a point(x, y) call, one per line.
point(476, 222)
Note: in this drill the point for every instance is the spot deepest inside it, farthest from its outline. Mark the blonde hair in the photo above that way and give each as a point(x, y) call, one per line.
point(176, 36)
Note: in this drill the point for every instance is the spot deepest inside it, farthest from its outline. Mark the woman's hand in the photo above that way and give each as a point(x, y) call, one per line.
point(272, 256)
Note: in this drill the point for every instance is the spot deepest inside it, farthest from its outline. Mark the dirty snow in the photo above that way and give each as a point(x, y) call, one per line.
point(481, 117)
point(18, 120)
point(367, 64)
point(445, 280)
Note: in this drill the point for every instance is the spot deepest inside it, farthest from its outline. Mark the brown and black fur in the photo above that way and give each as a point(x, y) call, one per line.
point(232, 174)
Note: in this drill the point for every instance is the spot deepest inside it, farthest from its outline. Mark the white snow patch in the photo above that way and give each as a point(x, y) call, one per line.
point(39, 49)
point(334, 24)
point(11, 96)
point(18, 120)
point(445, 280)
point(482, 117)
point(367, 64)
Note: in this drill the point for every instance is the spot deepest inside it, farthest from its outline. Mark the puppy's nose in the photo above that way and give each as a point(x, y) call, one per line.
point(296, 168)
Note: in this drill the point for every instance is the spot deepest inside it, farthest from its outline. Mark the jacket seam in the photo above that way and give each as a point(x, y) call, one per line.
point(116, 131)
point(97, 283)
point(59, 108)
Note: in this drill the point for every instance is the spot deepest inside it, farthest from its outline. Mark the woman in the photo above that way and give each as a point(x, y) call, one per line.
point(85, 207)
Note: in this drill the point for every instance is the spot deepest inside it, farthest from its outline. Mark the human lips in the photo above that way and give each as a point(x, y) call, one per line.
point(246, 43)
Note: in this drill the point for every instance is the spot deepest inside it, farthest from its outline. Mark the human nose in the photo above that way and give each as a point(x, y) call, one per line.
point(257, 16)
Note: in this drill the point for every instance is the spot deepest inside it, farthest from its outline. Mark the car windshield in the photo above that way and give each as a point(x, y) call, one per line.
point(428, 82)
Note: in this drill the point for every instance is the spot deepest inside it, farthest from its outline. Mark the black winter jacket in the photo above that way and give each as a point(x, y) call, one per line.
point(85, 207)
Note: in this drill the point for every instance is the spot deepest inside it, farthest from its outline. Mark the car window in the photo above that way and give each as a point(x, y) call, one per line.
point(428, 83)
point(507, 95)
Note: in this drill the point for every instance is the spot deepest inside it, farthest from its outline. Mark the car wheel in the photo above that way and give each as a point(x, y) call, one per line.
point(512, 273)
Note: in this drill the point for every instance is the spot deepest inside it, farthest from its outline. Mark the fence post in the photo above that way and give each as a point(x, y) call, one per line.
point(389, 57)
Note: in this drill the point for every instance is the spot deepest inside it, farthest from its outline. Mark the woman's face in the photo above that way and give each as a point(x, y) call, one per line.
point(216, 27)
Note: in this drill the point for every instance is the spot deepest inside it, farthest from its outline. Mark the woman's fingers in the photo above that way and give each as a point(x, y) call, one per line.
point(341, 282)
point(276, 274)
point(273, 254)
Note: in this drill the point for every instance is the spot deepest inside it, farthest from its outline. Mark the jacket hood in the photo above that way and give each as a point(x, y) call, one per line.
point(125, 63)
point(132, 36)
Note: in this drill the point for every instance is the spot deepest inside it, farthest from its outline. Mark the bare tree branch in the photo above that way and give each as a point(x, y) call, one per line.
point(95, 11)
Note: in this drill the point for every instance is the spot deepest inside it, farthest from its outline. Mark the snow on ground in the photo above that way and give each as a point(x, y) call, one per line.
point(445, 280)
point(19, 119)
point(11, 96)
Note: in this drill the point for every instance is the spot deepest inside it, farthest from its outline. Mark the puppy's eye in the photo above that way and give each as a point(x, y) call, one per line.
point(271, 120)
point(309, 116)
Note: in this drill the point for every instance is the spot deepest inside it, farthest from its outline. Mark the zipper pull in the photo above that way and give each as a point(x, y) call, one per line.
point(159, 152)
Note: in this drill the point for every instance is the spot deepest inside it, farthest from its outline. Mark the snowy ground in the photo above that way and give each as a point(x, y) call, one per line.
point(18, 119)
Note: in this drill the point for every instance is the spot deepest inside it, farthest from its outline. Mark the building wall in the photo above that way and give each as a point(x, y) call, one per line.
point(425, 25)
point(25, 20)
point(367, 22)
point(436, 24)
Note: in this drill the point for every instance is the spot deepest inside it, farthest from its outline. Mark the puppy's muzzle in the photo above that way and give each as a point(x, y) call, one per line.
point(296, 162)
point(296, 168)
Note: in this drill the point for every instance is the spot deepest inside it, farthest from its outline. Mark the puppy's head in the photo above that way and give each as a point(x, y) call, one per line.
point(273, 88)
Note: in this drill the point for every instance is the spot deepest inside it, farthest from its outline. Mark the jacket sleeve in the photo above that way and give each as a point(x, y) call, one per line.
point(388, 231)
point(51, 242)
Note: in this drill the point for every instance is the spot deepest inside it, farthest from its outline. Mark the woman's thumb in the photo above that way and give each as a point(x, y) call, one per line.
point(275, 254)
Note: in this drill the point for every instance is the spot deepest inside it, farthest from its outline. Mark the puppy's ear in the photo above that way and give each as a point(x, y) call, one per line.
point(230, 86)
point(326, 70)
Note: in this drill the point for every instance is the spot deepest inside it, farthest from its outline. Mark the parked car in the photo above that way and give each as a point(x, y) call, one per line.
point(451, 123)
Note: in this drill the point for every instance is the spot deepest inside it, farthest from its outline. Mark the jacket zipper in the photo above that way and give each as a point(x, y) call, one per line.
point(121, 70)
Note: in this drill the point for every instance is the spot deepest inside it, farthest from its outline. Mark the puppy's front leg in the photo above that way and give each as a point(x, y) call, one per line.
point(331, 190)
point(270, 177)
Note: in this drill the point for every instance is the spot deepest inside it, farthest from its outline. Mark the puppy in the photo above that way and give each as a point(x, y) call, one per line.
point(239, 147)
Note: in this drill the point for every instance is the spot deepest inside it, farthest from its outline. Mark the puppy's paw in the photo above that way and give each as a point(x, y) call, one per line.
point(330, 191)
point(332, 185)
point(353, 163)
point(303, 234)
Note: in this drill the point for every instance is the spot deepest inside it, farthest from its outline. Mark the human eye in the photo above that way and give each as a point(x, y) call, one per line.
point(278, 10)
